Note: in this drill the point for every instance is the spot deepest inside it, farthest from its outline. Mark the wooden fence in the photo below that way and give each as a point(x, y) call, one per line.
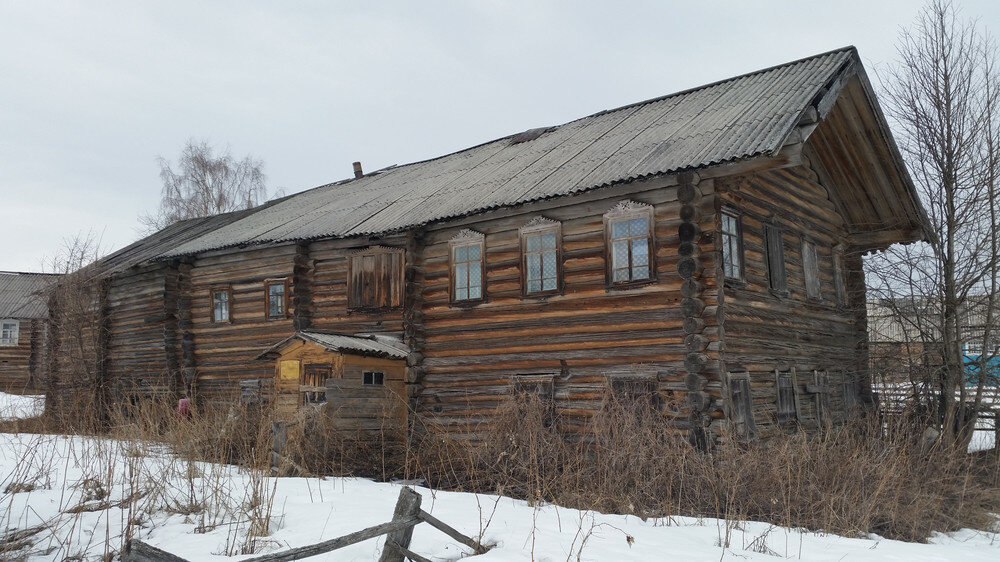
point(399, 531)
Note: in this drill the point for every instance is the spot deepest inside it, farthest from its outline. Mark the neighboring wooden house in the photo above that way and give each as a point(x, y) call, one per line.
point(22, 329)
point(703, 248)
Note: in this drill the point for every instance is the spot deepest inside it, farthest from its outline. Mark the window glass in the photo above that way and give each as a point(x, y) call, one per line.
point(276, 299)
point(467, 271)
point(732, 245)
point(8, 332)
point(220, 306)
point(630, 250)
point(540, 262)
point(375, 378)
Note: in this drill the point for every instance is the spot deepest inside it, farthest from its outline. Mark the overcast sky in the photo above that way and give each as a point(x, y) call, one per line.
point(92, 92)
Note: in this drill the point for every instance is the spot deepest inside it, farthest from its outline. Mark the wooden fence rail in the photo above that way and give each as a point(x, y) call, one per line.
point(406, 515)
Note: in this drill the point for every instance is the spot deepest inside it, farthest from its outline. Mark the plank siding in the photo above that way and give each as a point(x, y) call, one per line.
point(767, 331)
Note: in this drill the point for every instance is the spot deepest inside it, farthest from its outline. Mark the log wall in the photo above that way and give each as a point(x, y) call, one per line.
point(766, 331)
point(20, 365)
point(590, 332)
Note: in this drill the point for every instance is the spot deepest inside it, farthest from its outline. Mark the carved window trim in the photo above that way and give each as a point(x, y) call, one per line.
point(625, 212)
point(731, 239)
point(540, 226)
point(741, 415)
point(466, 239)
point(354, 301)
point(282, 282)
point(226, 290)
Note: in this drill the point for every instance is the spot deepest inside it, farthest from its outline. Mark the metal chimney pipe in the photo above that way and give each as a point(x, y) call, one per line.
point(357, 170)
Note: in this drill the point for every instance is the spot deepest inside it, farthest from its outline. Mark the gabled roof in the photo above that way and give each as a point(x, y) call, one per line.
point(749, 116)
point(22, 295)
point(353, 344)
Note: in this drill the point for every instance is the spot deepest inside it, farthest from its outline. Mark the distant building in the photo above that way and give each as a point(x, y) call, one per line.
point(22, 329)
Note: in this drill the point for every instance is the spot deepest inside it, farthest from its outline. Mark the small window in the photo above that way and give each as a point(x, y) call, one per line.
point(741, 413)
point(375, 278)
point(467, 266)
point(314, 377)
point(787, 407)
point(810, 268)
point(637, 394)
point(839, 286)
point(732, 245)
point(774, 250)
point(221, 297)
point(277, 303)
point(373, 378)
point(540, 256)
point(8, 332)
point(629, 232)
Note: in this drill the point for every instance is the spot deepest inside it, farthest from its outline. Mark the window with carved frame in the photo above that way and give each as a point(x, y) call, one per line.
point(628, 230)
point(467, 256)
point(541, 257)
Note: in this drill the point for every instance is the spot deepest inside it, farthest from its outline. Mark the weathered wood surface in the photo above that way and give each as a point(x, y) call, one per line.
point(21, 365)
point(767, 331)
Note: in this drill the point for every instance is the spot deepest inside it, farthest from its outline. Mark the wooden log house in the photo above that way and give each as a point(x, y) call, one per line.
point(703, 247)
point(23, 346)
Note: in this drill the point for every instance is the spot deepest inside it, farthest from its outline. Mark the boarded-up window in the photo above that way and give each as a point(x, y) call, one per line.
point(741, 413)
point(468, 272)
point(540, 256)
point(774, 249)
point(535, 391)
point(732, 245)
point(810, 268)
point(221, 297)
point(276, 293)
point(850, 393)
point(822, 396)
point(375, 278)
point(629, 237)
point(635, 393)
point(787, 407)
point(839, 284)
point(314, 377)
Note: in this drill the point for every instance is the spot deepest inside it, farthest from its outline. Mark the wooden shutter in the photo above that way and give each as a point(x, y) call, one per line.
point(375, 279)
point(775, 251)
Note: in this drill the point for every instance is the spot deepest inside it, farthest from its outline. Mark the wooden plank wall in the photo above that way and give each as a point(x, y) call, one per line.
point(225, 353)
point(20, 364)
point(765, 330)
point(470, 355)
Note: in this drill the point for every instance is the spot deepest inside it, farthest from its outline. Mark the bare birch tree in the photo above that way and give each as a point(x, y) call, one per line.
point(205, 184)
point(942, 95)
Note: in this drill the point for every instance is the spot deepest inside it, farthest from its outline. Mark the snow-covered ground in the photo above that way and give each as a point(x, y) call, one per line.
point(81, 492)
point(13, 406)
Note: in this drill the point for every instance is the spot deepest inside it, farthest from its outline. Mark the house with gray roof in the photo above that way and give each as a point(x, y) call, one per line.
point(700, 251)
point(23, 312)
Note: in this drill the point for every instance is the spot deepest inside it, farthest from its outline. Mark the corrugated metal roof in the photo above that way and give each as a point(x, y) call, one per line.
point(22, 295)
point(731, 120)
point(359, 344)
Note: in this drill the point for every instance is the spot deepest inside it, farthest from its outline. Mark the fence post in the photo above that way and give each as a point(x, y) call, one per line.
point(408, 505)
